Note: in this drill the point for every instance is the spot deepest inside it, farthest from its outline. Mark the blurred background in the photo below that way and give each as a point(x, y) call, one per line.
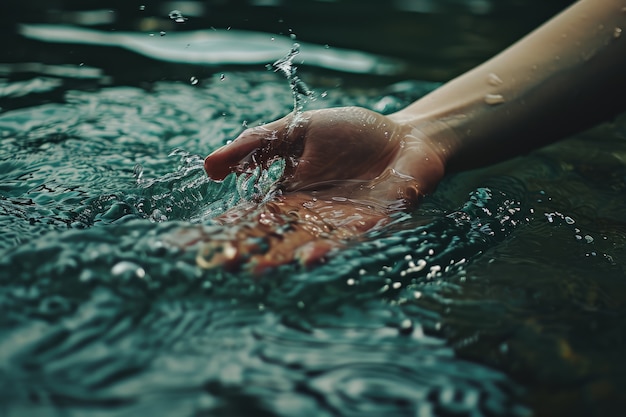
point(434, 39)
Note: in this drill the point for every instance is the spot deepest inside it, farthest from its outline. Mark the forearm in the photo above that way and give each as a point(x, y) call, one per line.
point(564, 77)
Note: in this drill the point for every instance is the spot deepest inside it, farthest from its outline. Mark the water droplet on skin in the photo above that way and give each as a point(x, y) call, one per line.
point(493, 79)
point(272, 39)
point(142, 7)
point(617, 33)
point(193, 81)
point(493, 99)
point(162, 33)
point(588, 55)
point(326, 46)
point(222, 77)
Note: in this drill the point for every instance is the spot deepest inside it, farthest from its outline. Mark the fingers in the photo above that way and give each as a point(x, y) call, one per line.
point(262, 241)
point(295, 229)
point(231, 157)
point(259, 146)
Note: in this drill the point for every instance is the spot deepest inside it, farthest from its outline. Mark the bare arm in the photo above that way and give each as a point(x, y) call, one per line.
point(564, 77)
point(349, 169)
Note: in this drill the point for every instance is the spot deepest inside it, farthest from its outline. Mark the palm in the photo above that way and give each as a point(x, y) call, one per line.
point(346, 170)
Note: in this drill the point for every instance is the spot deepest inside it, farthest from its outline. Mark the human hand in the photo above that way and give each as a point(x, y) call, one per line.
point(346, 171)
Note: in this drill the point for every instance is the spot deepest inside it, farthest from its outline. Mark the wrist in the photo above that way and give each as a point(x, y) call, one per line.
point(436, 134)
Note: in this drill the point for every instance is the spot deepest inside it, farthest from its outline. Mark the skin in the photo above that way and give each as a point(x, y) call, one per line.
point(349, 169)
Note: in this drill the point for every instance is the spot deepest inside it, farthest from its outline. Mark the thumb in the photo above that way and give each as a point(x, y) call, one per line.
point(259, 146)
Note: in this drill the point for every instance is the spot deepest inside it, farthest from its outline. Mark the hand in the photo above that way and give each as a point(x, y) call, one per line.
point(346, 171)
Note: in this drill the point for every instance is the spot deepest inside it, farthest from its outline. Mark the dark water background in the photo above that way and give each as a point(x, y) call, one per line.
point(504, 294)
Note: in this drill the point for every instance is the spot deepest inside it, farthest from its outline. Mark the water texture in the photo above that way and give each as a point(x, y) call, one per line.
point(503, 294)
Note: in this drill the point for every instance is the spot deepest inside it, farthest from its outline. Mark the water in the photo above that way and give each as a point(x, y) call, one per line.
point(501, 295)
point(288, 69)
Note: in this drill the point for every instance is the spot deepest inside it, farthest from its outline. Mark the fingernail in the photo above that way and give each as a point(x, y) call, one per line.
point(213, 169)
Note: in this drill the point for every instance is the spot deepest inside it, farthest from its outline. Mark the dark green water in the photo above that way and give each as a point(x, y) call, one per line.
point(504, 294)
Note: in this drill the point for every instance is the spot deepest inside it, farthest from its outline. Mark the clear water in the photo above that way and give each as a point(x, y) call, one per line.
point(504, 294)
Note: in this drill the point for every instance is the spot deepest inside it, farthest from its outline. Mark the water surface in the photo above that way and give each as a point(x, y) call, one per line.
point(502, 295)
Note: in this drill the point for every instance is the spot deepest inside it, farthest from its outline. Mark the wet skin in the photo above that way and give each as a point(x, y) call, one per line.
point(347, 170)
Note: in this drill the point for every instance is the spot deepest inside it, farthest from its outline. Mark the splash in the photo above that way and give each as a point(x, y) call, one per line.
point(299, 89)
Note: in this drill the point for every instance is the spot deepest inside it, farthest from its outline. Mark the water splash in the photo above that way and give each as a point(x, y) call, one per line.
point(286, 67)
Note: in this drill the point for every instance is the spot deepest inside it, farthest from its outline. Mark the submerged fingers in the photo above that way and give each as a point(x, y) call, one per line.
point(296, 229)
point(264, 242)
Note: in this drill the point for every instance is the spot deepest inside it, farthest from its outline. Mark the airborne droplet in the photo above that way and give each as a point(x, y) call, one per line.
point(177, 16)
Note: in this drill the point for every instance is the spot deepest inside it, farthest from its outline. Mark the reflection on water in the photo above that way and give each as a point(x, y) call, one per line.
point(215, 47)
